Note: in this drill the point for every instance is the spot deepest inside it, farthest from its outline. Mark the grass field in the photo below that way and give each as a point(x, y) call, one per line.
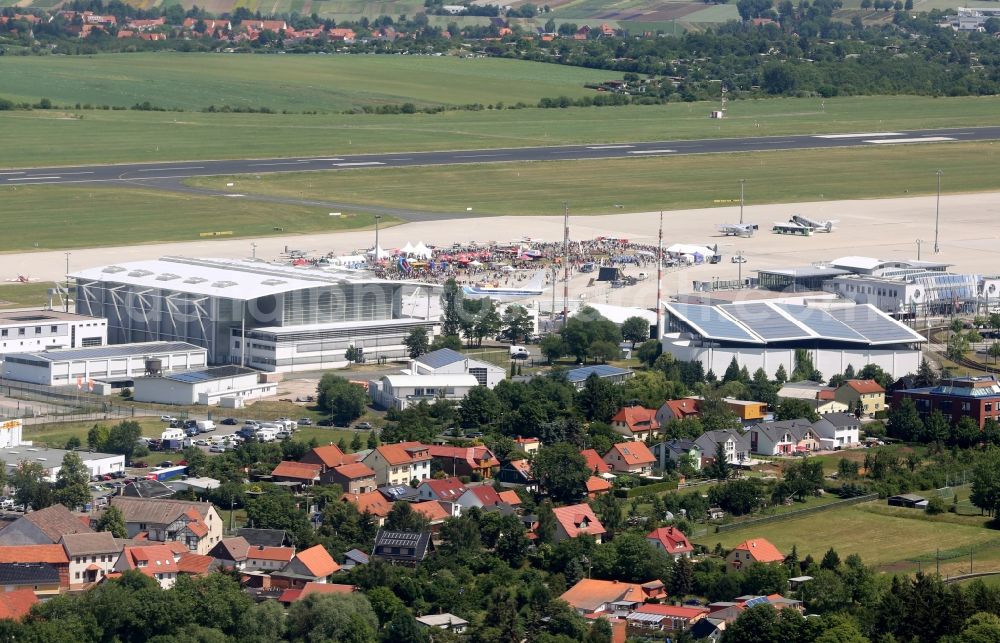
point(648, 184)
point(56, 434)
point(15, 295)
point(295, 83)
point(45, 138)
point(75, 217)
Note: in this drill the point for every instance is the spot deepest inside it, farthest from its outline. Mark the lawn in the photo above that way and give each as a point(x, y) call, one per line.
point(56, 434)
point(85, 217)
point(53, 137)
point(24, 295)
point(194, 81)
point(595, 187)
point(891, 539)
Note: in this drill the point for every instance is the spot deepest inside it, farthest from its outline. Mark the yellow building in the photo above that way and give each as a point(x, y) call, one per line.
point(868, 392)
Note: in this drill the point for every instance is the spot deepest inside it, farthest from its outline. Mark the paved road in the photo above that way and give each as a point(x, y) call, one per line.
point(154, 172)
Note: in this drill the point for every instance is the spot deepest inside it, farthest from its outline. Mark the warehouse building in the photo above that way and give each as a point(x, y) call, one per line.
point(98, 464)
point(227, 386)
point(37, 330)
point(114, 364)
point(252, 313)
point(766, 335)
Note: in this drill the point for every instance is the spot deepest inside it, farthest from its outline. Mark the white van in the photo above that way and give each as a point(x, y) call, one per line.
point(518, 352)
point(204, 426)
point(267, 435)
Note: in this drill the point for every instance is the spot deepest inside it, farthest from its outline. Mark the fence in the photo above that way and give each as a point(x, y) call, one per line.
point(796, 514)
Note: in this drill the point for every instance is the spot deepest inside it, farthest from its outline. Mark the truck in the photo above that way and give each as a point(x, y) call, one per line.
point(166, 473)
point(204, 426)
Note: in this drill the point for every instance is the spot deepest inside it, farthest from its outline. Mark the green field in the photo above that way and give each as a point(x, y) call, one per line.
point(191, 81)
point(53, 137)
point(642, 185)
point(85, 217)
point(17, 295)
point(55, 434)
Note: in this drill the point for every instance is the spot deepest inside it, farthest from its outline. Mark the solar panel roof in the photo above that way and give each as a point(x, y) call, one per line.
point(821, 323)
point(114, 350)
point(875, 326)
point(601, 370)
point(441, 357)
point(209, 374)
point(765, 321)
point(711, 323)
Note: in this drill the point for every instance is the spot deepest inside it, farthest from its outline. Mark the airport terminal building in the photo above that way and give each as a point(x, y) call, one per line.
point(252, 313)
point(766, 335)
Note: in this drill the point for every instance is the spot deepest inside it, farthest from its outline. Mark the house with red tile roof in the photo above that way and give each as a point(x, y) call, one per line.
point(630, 457)
point(434, 511)
point(596, 486)
point(194, 564)
point(672, 541)
point(372, 502)
point(677, 410)
point(475, 461)
point(636, 423)
point(196, 524)
point(482, 496)
point(290, 596)
point(347, 36)
point(267, 559)
point(517, 472)
point(54, 556)
point(158, 562)
point(303, 473)
point(398, 464)
point(577, 520)
point(651, 618)
point(591, 597)
point(311, 565)
point(328, 456)
point(595, 463)
point(17, 603)
point(528, 445)
point(447, 489)
point(510, 497)
point(868, 394)
point(353, 477)
point(755, 550)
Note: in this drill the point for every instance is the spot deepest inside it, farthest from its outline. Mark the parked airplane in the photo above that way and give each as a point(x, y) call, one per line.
point(815, 224)
point(738, 229)
point(790, 227)
point(532, 288)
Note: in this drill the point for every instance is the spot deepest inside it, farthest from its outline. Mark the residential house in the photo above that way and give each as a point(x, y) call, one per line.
point(353, 558)
point(402, 391)
point(328, 457)
point(578, 376)
point(193, 564)
point(196, 524)
point(159, 562)
point(264, 25)
point(748, 411)
point(821, 398)
point(838, 430)
point(267, 559)
point(596, 486)
point(17, 603)
point(347, 36)
point(145, 25)
point(528, 445)
point(302, 473)
point(371, 502)
point(354, 477)
point(755, 550)
point(866, 395)
point(735, 445)
point(446, 361)
point(54, 556)
point(595, 463)
point(313, 565)
point(957, 397)
point(678, 410)
point(510, 498)
point(402, 547)
point(482, 497)
point(577, 520)
point(672, 541)
point(266, 537)
point(290, 596)
point(398, 464)
point(630, 457)
point(591, 597)
point(147, 489)
point(785, 437)
point(650, 618)
point(41, 579)
point(447, 489)
point(675, 451)
point(517, 472)
point(92, 556)
point(231, 552)
point(476, 462)
point(445, 621)
point(435, 512)
point(43, 527)
point(636, 423)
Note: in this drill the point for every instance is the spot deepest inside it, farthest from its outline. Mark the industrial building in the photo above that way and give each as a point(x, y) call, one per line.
point(974, 397)
point(227, 386)
point(766, 335)
point(51, 459)
point(36, 330)
point(446, 361)
point(118, 363)
point(252, 313)
point(401, 391)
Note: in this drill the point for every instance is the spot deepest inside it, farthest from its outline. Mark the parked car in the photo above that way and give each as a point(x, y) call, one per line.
point(284, 434)
point(363, 425)
point(325, 422)
point(201, 443)
point(217, 448)
point(305, 422)
point(6, 503)
point(166, 463)
point(229, 421)
point(166, 418)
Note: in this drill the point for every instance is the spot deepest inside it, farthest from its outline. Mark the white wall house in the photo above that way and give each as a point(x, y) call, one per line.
point(229, 385)
point(96, 463)
point(446, 361)
point(36, 330)
point(401, 391)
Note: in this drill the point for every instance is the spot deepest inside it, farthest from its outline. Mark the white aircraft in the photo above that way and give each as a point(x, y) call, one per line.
point(534, 287)
point(790, 227)
point(738, 229)
point(815, 224)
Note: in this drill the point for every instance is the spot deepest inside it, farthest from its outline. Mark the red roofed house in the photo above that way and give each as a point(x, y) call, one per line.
point(664, 618)
point(528, 445)
point(345, 35)
point(596, 465)
point(518, 472)
point(482, 496)
point(17, 603)
point(398, 464)
point(756, 550)
point(353, 477)
point(631, 457)
point(598, 597)
point(290, 596)
point(194, 564)
point(196, 524)
point(52, 555)
point(677, 410)
point(301, 472)
point(636, 423)
point(327, 457)
point(447, 489)
point(263, 558)
point(510, 497)
point(596, 486)
point(672, 541)
point(264, 25)
point(311, 565)
point(159, 562)
point(371, 501)
point(868, 393)
point(475, 461)
point(577, 520)
point(433, 511)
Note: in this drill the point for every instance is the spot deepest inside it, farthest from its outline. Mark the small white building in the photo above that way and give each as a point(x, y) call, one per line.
point(400, 391)
point(229, 386)
point(37, 330)
point(10, 433)
point(66, 367)
point(446, 361)
point(98, 464)
point(444, 621)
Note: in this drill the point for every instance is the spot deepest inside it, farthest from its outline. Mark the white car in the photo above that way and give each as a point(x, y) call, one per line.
point(217, 448)
point(739, 259)
point(166, 418)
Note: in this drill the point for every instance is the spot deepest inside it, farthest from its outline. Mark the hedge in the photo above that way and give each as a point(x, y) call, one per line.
point(647, 490)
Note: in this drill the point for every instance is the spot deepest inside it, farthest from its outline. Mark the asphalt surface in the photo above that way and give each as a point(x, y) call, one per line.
point(168, 175)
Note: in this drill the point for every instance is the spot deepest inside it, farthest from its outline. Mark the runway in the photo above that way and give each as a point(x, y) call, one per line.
point(151, 173)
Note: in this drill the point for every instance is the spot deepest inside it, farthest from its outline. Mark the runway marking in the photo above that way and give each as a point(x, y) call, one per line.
point(6, 173)
point(34, 178)
point(310, 160)
point(171, 169)
point(68, 173)
point(929, 139)
point(652, 151)
point(265, 164)
point(869, 135)
point(359, 164)
point(478, 156)
point(609, 147)
point(234, 195)
point(408, 158)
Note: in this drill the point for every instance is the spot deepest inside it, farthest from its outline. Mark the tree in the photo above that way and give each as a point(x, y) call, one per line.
point(682, 578)
point(71, 482)
point(353, 354)
point(957, 347)
point(113, 521)
point(546, 531)
point(405, 629)
point(985, 492)
point(31, 488)
point(516, 323)
point(719, 467)
point(780, 375)
point(763, 390)
point(599, 399)
point(356, 442)
point(480, 407)
point(965, 433)
point(451, 297)
point(552, 347)
point(343, 401)
point(454, 342)
point(804, 368)
point(831, 560)
point(416, 342)
point(635, 329)
point(402, 517)
point(346, 618)
point(937, 428)
point(732, 373)
point(649, 351)
point(608, 508)
point(561, 471)
point(123, 438)
point(603, 351)
point(904, 421)
point(794, 408)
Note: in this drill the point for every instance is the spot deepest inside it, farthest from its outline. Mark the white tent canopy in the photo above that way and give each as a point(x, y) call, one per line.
point(380, 253)
point(690, 249)
point(407, 249)
point(421, 251)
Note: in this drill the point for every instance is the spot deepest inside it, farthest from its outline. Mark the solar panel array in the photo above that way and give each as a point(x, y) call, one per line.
point(821, 323)
point(115, 350)
point(601, 370)
point(873, 325)
point(714, 324)
point(209, 374)
point(765, 321)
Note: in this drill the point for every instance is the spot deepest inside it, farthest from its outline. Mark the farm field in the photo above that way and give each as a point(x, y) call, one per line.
point(193, 81)
point(84, 217)
point(55, 137)
point(648, 184)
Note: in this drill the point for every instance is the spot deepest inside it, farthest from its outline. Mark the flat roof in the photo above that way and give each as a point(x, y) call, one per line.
point(750, 294)
point(601, 370)
point(305, 328)
point(199, 376)
point(406, 381)
point(805, 271)
point(11, 456)
point(29, 317)
point(111, 351)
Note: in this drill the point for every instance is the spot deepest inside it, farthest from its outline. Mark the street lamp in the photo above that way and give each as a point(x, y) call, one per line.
point(378, 217)
point(742, 183)
point(919, 241)
point(937, 212)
